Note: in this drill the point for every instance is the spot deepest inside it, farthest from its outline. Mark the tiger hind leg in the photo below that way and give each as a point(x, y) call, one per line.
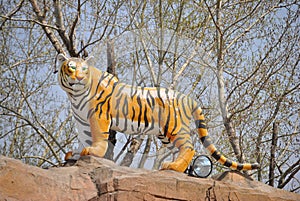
point(185, 155)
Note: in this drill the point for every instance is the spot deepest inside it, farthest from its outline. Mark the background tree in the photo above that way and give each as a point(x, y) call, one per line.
point(239, 59)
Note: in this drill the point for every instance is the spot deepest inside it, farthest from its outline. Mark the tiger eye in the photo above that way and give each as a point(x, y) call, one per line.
point(72, 66)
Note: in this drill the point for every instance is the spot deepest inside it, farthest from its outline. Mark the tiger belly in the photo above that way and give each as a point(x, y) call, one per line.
point(133, 127)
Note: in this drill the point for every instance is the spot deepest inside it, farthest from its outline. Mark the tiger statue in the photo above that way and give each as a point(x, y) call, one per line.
point(100, 102)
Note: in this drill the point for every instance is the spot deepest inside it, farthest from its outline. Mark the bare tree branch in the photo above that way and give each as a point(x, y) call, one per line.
point(30, 20)
point(11, 13)
point(53, 39)
point(291, 171)
point(62, 31)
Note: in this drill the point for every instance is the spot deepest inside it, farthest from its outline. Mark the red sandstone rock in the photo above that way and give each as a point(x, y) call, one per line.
point(98, 179)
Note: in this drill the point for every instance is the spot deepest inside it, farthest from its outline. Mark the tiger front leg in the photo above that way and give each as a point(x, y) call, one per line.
point(97, 149)
point(100, 132)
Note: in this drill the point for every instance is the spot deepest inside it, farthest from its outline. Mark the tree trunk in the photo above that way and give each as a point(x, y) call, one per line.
point(273, 150)
point(111, 68)
point(230, 130)
point(134, 147)
point(146, 152)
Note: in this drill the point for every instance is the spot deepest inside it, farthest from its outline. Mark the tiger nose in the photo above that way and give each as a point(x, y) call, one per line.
point(78, 75)
point(79, 78)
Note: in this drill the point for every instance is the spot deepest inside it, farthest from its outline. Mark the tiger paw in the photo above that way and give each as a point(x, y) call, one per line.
point(68, 155)
point(165, 166)
point(94, 151)
point(174, 166)
point(85, 151)
point(70, 159)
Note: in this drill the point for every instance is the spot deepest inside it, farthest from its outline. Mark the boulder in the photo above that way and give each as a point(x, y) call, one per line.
point(98, 179)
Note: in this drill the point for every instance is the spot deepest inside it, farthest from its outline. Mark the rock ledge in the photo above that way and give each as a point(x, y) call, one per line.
point(97, 179)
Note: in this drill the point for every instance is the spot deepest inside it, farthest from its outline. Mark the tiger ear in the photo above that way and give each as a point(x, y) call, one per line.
point(90, 61)
point(61, 58)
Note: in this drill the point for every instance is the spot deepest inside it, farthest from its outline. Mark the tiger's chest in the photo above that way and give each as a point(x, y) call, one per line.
point(80, 107)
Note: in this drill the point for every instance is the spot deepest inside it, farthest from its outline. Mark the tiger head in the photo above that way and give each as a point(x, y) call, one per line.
point(74, 74)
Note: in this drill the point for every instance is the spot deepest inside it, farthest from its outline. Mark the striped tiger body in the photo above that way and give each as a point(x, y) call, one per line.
point(100, 102)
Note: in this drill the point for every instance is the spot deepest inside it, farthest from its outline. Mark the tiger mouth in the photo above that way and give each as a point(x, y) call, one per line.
point(72, 84)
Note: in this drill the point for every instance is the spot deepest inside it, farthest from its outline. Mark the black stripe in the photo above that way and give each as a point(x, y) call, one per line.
point(86, 95)
point(166, 142)
point(160, 136)
point(100, 95)
point(91, 84)
point(159, 117)
point(79, 120)
point(115, 84)
point(98, 85)
point(185, 128)
point(184, 124)
point(108, 110)
point(167, 94)
point(152, 125)
point(167, 123)
point(228, 163)
point(185, 146)
point(83, 92)
point(180, 98)
point(107, 98)
point(175, 117)
point(133, 113)
point(125, 113)
point(88, 133)
point(255, 166)
point(135, 92)
point(159, 96)
point(109, 81)
point(200, 124)
point(90, 113)
point(120, 90)
point(82, 99)
point(216, 155)
point(117, 118)
point(150, 101)
point(142, 90)
point(125, 107)
point(178, 138)
point(140, 110)
point(240, 166)
point(206, 141)
point(184, 107)
point(105, 133)
point(145, 118)
point(103, 76)
point(65, 86)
